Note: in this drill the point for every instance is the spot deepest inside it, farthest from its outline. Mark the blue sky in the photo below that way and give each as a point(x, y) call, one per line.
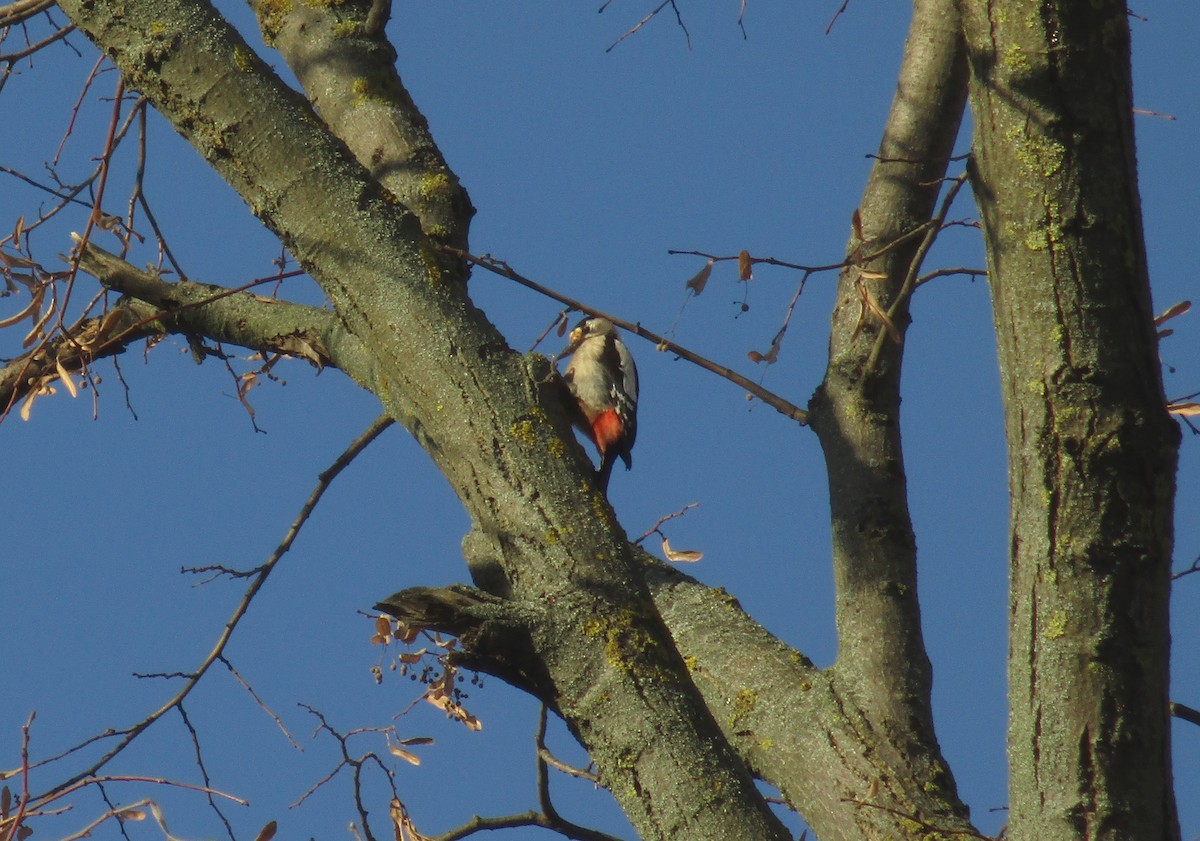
point(586, 167)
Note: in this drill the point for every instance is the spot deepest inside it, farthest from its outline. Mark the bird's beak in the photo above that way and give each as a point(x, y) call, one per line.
point(573, 341)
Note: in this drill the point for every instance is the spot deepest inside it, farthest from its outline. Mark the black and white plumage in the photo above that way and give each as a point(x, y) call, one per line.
point(603, 379)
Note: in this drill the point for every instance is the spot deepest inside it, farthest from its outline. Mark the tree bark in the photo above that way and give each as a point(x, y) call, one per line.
point(1092, 451)
point(543, 536)
point(882, 664)
point(362, 197)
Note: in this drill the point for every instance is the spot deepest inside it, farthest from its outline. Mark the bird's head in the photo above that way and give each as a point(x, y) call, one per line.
point(585, 329)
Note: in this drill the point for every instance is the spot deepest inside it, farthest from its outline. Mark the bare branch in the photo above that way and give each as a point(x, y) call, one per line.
point(326, 477)
point(1194, 568)
point(23, 10)
point(661, 343)
point(1185, 713)
point(547, 818)
point(678, 19)
point(654, 528)
point(261, 704)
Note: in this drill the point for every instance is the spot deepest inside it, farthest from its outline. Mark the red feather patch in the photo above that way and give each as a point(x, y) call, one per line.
point(606, 430)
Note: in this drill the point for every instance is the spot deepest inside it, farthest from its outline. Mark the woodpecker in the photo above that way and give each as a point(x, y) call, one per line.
point(604, 382)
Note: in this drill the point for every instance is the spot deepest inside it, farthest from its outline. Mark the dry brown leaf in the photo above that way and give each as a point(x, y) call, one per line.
point(304, 346)
point(35, 304)
point(267, 832)
point(856, 224)
point(35, 333)
point(870, 305)
point(416, 740)
point(5, 798)
point(1162, 334)
point(65, 376)
point(404, 829)
point(745, 266)
point(700, 279)
point(1172, 311)
point(34, 394)
point(408, 756)
point(680, 556)
point(14, 262)
point(769, 357)
point(454, 710)
point(131, 815)
point(106, 326)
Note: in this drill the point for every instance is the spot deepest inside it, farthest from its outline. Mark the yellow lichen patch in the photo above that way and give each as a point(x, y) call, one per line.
point(628, 646)
point(377, 87)
point(1040, 155)
point(271, 15)
point(434, 184)
point(524, 432)
point(429, 257)
point(1016, 59)
point(743, 704)
point(243, 58)
point(1056, 627)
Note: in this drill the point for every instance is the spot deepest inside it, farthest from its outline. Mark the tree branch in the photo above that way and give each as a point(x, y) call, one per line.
point(661, 343)
point(260, 575)
point(347, 67)
point(882, 663)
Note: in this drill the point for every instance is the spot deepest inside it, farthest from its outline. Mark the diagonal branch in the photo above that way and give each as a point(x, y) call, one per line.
point(343, 59)
point(152, 307)
point(661, 343)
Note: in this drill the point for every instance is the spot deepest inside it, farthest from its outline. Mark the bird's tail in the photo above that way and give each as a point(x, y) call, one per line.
point(605, 472)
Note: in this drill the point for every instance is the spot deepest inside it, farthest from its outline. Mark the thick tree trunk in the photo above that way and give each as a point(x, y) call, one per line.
point(1091, 447)
point(543, 536)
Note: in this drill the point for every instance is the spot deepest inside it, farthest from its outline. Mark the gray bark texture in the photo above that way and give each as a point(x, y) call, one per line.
point(680, 698)
point(1090, 445)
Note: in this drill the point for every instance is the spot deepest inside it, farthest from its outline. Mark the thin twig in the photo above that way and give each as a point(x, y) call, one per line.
point(187, 722)
point(678, 19)
point(128, 735)
point(663, 344)
point(261, 703)
point(924, 825)
point(932, 229)
point(22, 10)
point(836, 15)
point(1194, 568)
point(10, 58)
point(654, 528)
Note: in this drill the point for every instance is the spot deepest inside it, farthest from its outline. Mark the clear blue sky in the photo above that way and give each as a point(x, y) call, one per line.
point(586, 167)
